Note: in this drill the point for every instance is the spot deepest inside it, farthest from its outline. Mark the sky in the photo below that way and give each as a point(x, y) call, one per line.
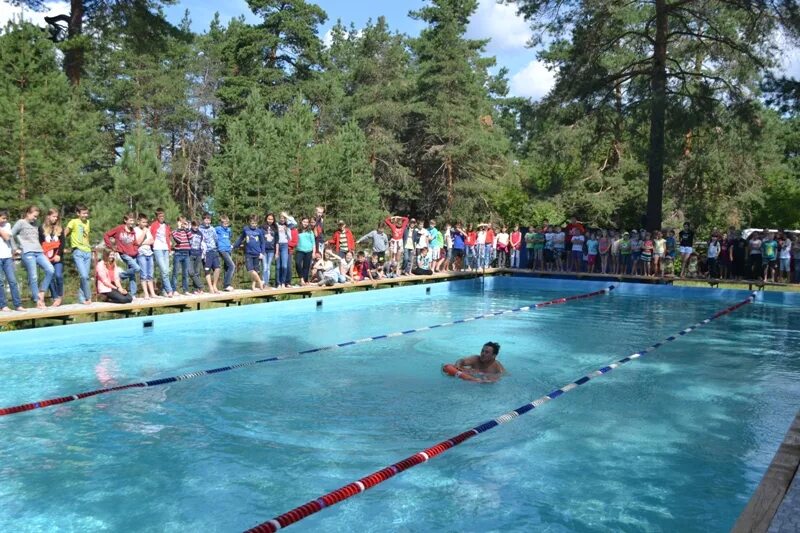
point(508, 33)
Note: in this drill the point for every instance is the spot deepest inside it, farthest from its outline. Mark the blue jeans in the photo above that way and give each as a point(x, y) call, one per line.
point(7, 275)
point(57, 283)
point(408, 260)
point(470, 256)
point(230, 268)
point(147, 267)
point(268, 257)
point(284, 272)
point(180, 260)
point(162, 260)
point(30, 260)
point(130, 274)
point(83, 263)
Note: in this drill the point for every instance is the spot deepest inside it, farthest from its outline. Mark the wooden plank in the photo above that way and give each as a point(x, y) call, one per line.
point(769, 494)
point(67, 312)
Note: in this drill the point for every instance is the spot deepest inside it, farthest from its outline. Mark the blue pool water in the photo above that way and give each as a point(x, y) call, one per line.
point(676, 441)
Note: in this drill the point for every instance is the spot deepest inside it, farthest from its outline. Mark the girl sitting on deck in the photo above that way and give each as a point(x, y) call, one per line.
point(109, 286)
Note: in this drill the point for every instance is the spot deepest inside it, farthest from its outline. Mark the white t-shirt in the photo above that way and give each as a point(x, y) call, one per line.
point(713, 250)
point(5, 246)
point(786, 249)
point(424, 236)
point(481, 237)
point(577, 243)
point(161, 238)
point(502, 238)
point(145, 248)
point(558, 240)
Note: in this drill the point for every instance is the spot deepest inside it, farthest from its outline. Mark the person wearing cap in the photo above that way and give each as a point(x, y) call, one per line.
point(484, 365)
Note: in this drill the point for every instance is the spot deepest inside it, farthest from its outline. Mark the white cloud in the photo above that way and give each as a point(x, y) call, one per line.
point(327, 38)
point(790, 57)
point(534, 81)
point(501, 24)
point(9, 12)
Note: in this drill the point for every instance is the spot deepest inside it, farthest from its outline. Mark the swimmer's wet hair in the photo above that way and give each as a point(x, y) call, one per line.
point(494, 346)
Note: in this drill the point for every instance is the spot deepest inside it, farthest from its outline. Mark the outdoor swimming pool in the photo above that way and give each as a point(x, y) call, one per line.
point(676, 441)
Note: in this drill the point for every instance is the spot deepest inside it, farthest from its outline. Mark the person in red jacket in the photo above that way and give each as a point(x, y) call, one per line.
point(471, 243)
point(573, 224)
point(343, 240)
point(396, 242)
point(491, 246)
point(122, 240)
point(516, 246)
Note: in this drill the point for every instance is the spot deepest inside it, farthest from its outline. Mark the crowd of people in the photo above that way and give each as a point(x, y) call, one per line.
point(196, 256)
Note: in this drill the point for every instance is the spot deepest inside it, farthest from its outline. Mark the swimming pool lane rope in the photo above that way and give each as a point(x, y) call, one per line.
point(367, 482)
point(191, 375)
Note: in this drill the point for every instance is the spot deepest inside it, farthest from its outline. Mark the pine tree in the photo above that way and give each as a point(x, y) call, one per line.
point(457, 148)
point(344, 179)
point(382, 86)
point(140, 184)
point(241, 173)
point(50, 144)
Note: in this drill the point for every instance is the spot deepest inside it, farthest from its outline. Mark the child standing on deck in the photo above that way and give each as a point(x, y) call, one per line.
point(255, 243)
point(305, 251)
point(211, 261)
point(224, 235)
point(502, 240)
point(559, 248)
point(162, 244)
point(647, 254)
point(7, 274)
point(516, 246)
point(51, 237)
point(26, 231)
point(78, 231)
point(625, 253)
point(636, 252)
point(196, 257)
point(577, 242)
point(144, 240)
point(181, 238)
point(615, 254)
point(604, 247)
point(592, 247)
point(785, 259)
point(671, 244)
point(713, 252)
point(659, 252)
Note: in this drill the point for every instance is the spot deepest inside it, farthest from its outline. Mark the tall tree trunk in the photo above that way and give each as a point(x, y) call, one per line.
point(74, 55)
point(21, 165)
point(658, 88)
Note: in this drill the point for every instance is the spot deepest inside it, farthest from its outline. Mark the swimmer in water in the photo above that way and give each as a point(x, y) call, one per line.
point(484, 365)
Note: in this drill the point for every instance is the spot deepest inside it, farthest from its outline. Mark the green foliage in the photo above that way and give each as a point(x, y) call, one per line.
point(129, 112)
point(49, 132)
point(140, 184)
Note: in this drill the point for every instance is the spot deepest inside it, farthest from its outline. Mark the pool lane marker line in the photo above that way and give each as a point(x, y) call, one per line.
point(348, 491)
point(183, 377)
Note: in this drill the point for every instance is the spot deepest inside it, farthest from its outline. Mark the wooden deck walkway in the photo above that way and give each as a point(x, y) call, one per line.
point(668, 280)
point(769, 495)
point(67, 313)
